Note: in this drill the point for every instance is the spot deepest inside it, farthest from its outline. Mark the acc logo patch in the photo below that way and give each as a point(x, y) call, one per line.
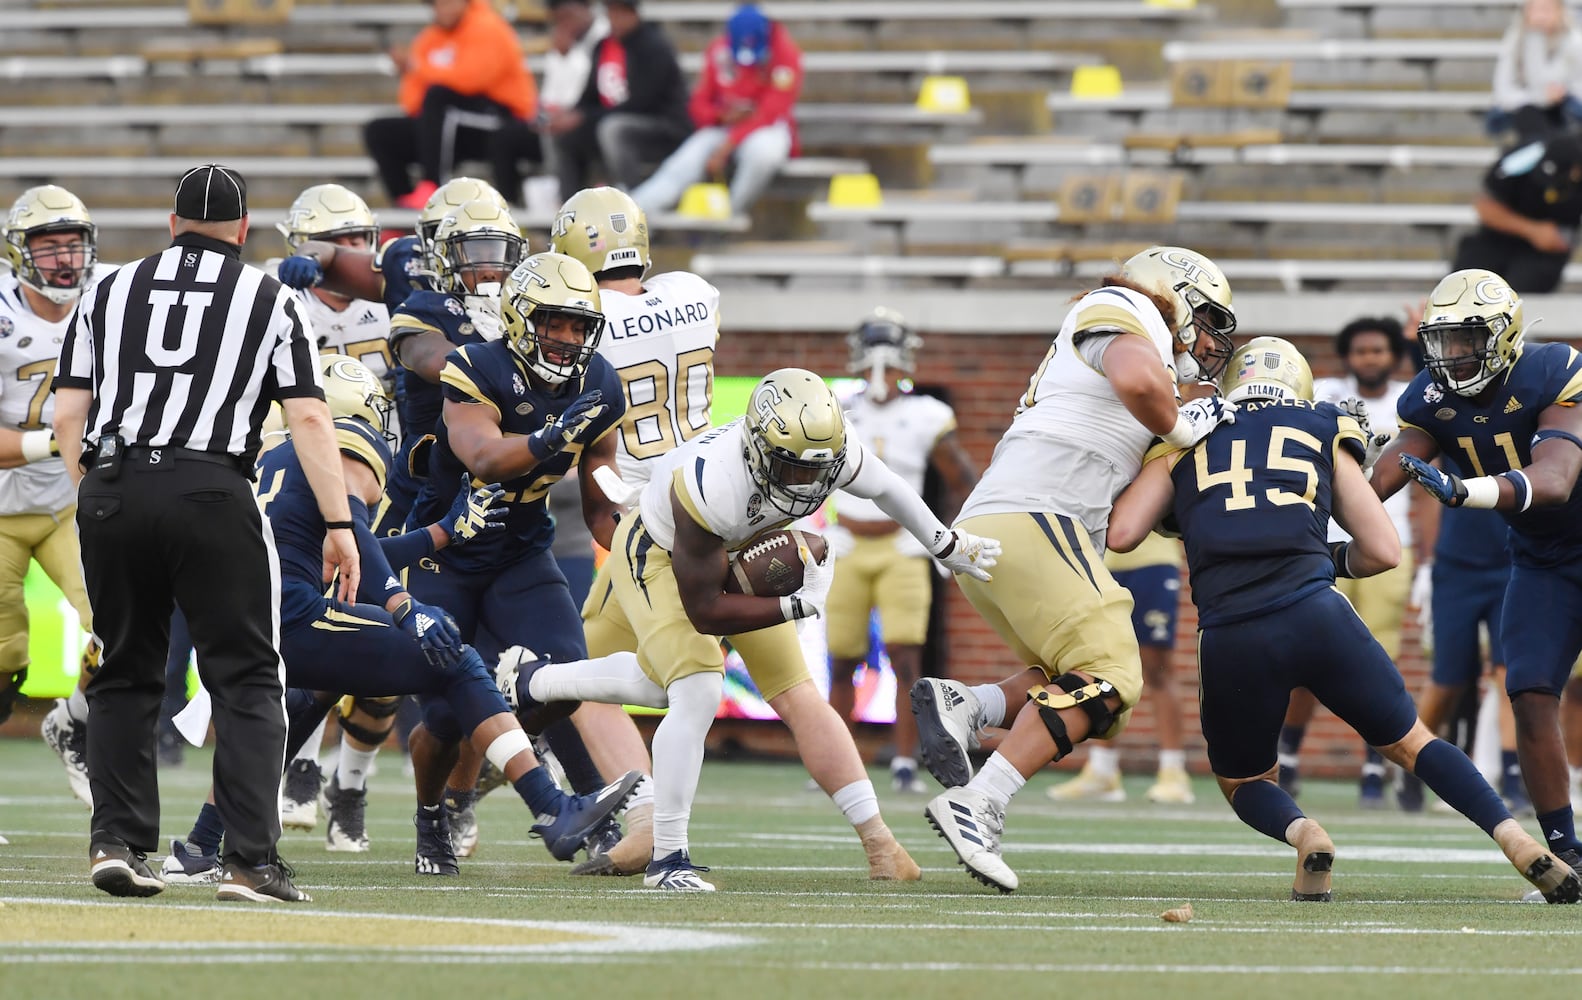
point(523, 409)
point(25, 342)
point(1432, 393)
point(1445, 413)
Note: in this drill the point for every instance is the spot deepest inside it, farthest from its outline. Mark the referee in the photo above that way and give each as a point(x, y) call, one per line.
point(163, 382)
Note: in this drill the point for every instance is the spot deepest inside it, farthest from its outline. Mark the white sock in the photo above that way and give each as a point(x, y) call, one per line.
point(616, 679)
point(1104, 761)
point(315, 741)
point(902, 764)
point(678, 756)
point(993, 701)
point(643, 795)
point(858, 801)
point(1172, 760)
point(351, 771)
point(998, 780)
point(77, 706)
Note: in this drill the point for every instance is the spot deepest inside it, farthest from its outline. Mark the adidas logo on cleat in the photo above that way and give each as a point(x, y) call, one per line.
point(953, 698)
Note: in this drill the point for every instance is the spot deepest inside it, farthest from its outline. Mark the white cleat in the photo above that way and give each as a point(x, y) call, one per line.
point(675, 872)
point(972, 826)
point(299, 795)
point(69, 739)
point(949, 717)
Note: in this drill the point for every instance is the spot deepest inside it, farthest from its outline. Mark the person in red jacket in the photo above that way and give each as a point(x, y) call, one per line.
point(743, 108)
point(462, 80)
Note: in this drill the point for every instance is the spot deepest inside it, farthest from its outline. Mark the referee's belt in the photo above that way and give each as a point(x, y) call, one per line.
point(144, 455)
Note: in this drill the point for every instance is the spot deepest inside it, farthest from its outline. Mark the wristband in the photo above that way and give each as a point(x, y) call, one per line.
point(796, 609)
point(1181, 435)
point(338, 525)
point(1483, 493)
point(1340, 552)
point(39, 445)
point(1524, 488)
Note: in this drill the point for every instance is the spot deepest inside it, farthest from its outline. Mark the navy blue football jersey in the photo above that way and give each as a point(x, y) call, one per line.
point(405, 270)
point(1253, 501)
point(426, 312)
point(1472, 539)
point(1495, 434)
point(492, 375)
point(287, 500)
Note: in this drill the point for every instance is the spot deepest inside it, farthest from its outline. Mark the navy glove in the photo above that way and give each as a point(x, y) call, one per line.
point(568, 427)
point(1448, 489)
point(433, 628)
point(298, 271)
point(473, 513)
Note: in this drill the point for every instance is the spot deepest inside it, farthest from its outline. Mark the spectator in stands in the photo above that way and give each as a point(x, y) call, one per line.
point(575, 30)
point(742, 107)
point(1539, 73)
point(462, 79)
point(633, 112)
point(1529, 210)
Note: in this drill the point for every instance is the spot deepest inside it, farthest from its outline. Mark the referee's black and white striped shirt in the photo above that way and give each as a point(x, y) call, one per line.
point(187, 348)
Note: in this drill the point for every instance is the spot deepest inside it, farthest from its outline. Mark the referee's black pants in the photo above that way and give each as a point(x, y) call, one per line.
point(172, 529)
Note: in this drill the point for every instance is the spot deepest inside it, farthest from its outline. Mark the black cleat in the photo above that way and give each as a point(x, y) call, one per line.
point(270, 883)
point(435, 855)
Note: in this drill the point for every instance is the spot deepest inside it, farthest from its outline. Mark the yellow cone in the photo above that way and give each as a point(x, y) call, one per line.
point(944, 95)
point(1096, 82)
point(854, 191)
point(706, 201)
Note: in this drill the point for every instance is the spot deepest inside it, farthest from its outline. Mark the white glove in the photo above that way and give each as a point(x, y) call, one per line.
point(1422, 598)
point(809, 600)
point(963, 552)
point(1198, 418)
point(840, 541)
point(616, 489)
point(1372, 450)
point(1357, 409)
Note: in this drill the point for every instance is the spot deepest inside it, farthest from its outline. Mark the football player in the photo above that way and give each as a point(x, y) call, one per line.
point(50, 243)
point(525, 411)
point(1151, 573)
point(399, 267)
point(1253, 501)
point(659, 335)
point(357, 328)
point(1106, 389)
point(711, 497)
point(1504, 415)
point(388, 643)
point(1371, 350)
point(877, 565)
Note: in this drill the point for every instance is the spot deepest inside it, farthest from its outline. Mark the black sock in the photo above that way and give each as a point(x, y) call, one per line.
point(1265, 806)
point(569, 749)
point(1511, 785)
point(1291, 740)
point(1454, 778)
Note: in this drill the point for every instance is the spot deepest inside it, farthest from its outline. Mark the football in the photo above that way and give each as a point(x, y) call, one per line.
point(772, 566)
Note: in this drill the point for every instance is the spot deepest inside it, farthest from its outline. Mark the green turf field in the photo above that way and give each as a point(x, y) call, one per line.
point(1426, 907)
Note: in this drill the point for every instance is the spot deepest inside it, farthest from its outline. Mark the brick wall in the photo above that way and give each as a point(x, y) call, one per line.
point(986, 374)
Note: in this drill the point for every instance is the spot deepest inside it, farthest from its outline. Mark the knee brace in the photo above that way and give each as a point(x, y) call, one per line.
point(377, 708)
point(1073, 692)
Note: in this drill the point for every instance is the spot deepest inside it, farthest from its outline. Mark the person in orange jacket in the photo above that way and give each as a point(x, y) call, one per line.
point(743, 108)
point(462, 81)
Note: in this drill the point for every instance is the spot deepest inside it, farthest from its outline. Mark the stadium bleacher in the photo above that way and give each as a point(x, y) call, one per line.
point(1357, 183)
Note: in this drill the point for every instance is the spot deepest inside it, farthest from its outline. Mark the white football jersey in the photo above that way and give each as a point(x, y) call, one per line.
point(29, 348)
point(661, 343)
point(361, 330)
point(1073, 445)
point(901, 432)
point(711, 476)
point(1383, 420)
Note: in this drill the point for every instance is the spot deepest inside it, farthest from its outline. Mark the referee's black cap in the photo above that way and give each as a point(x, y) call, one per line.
point(211, 193)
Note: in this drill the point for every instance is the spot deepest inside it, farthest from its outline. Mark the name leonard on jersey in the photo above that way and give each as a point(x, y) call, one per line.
point(658, 320)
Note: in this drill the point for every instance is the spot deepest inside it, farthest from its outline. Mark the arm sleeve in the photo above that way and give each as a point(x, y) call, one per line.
point(877, 482)
point(378, 579)
point(775, 103)
point(406, 549)
point(74, 370)
point(1091, 348)
point(296, 362)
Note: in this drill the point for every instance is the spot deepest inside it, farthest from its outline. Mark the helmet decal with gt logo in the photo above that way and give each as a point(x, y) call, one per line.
point(1204, 318)
point(546, 300)
point(1471, 330)
point(796, 440)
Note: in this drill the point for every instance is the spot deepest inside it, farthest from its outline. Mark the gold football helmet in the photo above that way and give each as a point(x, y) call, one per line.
point(796, 440)
point(475, 246)
point(450, 196)
point(351, 390)
point(61, 271)
point(325, 212)
point(1471, 330)
point(1202, 297)
point(542, 287)
point(1267, 368)
point(603, 228)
